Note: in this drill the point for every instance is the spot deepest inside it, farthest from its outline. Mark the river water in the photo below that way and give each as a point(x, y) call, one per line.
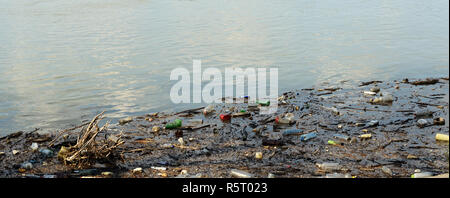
point(63, 61)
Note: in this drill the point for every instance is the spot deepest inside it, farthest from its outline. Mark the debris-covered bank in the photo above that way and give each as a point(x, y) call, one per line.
point(374, 129)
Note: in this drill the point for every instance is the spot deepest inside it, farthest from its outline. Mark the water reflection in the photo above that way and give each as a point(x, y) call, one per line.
point(64, 61)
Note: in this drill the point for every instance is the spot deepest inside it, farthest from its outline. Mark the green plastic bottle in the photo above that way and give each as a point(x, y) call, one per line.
point(175, 124)
point(331, 142)
point(267, 103)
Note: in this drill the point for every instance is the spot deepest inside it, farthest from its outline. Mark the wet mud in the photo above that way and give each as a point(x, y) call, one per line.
point(358, 132)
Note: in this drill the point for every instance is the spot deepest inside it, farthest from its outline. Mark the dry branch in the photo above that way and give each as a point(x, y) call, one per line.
point(88, 148)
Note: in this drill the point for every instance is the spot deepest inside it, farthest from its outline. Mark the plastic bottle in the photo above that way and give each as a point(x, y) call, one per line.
point(207, 110)
point(366, 136)
point(423, 113)
point(369, 93)
point(26, 165)
point(240, 174)
point(308, 136)
point(328, 166)
point(375, 89)
point(240, 114)
point(441, 137)
point(386, 170)
point(342, 137)
point(422, 123)
point(372, 123)
point(386, 98)
point(331, 142)
point(334, 110)
point(267, 103)
point(181, 141)
point(195, 122)
point(175, 124)
point(422, 175)
point(288, 118)
point(292, 132)
point(338, 175)
point(34, 146)
point(225, 117)
point(46, 152)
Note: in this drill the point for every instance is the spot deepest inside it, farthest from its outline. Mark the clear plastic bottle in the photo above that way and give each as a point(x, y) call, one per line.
point(386, 170)
point(422, 175)
point(372, 123)
point(328, 166)
point(288, 118)
point(386, 98)
point(341, 137)
point(240, 174)
point(209, 109)
point(422, 123)
point(34, 146)
point(369, 93)
point(334, 110)
point(338, 175)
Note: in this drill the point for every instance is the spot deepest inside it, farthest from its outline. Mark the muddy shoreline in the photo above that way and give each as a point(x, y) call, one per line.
point(355, 131)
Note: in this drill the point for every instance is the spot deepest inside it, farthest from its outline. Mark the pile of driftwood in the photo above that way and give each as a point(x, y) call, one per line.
point(89, 147)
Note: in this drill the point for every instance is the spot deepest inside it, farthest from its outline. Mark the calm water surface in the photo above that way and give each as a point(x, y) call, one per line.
point(63, 61)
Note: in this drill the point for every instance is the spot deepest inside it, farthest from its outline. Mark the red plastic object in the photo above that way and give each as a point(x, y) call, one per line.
point(225, 117)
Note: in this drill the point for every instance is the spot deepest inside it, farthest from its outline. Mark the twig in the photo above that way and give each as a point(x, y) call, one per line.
point(88, 143)
point(189, 110)
point(324, 93)
point(83, 136)
point(425, 104)
point(427, 81)
point(369, 83)
point(65, 131)
point(364, 109)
